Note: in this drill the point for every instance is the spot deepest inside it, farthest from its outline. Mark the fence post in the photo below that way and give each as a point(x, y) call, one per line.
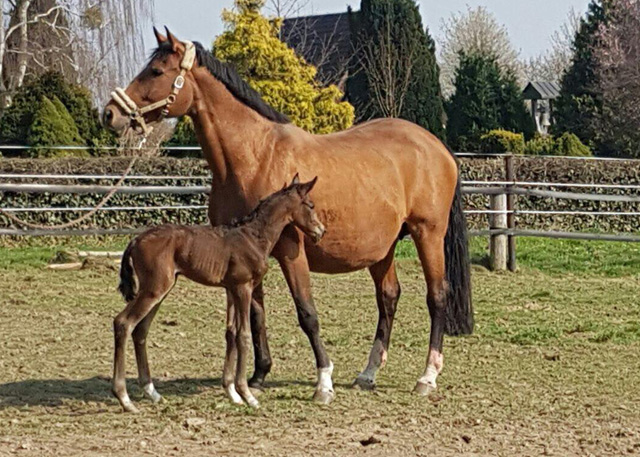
point(511, 217)
point(498, 242)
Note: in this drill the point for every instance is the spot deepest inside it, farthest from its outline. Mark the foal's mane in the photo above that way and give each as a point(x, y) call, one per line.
point(228, 75)
point(253, 215)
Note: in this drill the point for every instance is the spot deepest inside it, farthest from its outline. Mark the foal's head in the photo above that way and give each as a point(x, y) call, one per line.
point(293, 205)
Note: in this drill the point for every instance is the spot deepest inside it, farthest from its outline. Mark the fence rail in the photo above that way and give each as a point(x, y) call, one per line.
point(503, 194)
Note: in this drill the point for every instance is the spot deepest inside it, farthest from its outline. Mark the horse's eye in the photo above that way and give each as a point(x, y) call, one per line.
point(157, 71)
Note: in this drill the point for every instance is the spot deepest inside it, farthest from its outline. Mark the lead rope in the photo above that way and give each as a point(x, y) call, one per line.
point(82, 218)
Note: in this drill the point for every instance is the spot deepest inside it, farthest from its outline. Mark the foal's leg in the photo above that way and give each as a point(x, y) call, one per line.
point(430, 245)
point(231, 356)
point(242, 303)
point(262, 357)
point(139, 337)
point(387, 296)
point(296, 272)
point(123, 325)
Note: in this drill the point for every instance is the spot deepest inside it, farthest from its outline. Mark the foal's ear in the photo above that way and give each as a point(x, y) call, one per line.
point(173, 40)
point(296, 179)
point(306, 187)
point(159, 36)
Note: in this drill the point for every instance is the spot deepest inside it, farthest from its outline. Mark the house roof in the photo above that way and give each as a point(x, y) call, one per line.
point(541, 90)
point(323, 41)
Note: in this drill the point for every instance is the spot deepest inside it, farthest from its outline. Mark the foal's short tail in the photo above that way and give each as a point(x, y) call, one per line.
point(127, 286)
point(459, 310)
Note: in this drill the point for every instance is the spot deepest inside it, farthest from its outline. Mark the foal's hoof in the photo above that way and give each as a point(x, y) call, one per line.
point(423, 389)
point(256, 391)
point(362, 383)
point(323, 397)
point(130, 408)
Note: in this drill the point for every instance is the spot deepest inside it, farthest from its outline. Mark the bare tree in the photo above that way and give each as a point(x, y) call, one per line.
point(617, 53)
point(324, 42)
point(388, 67)
point(551, 65)
point(95, 43)
point(287, 8)
point(475, 31)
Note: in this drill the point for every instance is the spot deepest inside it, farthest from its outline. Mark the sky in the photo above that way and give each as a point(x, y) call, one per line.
point(530, 22)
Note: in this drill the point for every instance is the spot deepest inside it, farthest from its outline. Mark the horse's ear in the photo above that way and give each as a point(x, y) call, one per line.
point(306, 187)
point(173, 40)
point(296, 179)
point(159, 36)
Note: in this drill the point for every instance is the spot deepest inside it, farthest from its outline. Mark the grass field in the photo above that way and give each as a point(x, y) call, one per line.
point(552, 369)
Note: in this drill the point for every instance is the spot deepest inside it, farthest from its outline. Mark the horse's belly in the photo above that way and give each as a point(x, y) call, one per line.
point(342, 255)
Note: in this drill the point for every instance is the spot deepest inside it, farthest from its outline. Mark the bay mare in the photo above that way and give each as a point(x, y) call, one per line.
point(378, 180)
point(234, 257)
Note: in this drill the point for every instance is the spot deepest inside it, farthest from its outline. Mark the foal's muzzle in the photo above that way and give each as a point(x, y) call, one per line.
point(318, 233)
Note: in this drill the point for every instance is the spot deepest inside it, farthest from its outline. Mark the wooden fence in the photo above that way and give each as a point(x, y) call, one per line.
point(502, 213)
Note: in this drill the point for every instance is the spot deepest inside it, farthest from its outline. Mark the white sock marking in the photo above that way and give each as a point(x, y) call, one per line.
point(325, 384)
point(429, 376)
point(151, 392)
point(233, 394)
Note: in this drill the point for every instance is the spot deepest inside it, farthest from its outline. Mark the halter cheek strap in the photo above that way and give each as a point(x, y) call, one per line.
point(136, 113)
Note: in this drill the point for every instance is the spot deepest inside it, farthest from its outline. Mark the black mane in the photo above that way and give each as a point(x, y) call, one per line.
point(237, 222)
point(227, 75)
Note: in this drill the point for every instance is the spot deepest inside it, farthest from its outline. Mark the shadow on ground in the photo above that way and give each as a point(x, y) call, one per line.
point(54, 392)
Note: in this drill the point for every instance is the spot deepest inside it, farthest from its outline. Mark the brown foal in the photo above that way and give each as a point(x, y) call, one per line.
point(232, 256)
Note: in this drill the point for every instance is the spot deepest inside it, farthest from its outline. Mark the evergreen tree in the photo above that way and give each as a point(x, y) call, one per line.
point(285, 81)
point(17, 119)
point(395, 72)
point(51, 127)
point(580, 101)
point(76, 138)
point(484, 99)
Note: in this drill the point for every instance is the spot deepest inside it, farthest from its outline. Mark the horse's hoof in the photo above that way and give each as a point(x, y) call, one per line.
point(130, 408)
point(256, 383)
point(363, 384)
point(253, 402)
point(423, 389)
point(323, 397)
point(256, 391)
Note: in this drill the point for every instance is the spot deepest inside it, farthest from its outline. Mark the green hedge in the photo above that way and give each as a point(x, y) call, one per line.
point(549, 169)
point(108, 166)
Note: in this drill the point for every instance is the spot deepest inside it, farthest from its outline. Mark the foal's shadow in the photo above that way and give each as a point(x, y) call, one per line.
point(54, 392)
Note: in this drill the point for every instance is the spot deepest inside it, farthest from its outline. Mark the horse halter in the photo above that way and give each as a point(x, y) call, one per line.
point(136, 113)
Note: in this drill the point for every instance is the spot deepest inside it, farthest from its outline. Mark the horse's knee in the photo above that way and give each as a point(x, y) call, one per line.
point(307, 317)
point(121, 326)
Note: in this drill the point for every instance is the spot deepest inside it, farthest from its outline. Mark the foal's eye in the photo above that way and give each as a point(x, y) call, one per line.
point(157, 71)
point(310, 205)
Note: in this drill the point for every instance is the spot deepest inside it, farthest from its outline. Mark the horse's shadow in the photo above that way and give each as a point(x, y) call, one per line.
point(55, 392)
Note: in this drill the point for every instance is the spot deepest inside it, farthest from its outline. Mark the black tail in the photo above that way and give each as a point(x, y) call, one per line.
point(459, 310)
point(127, 286)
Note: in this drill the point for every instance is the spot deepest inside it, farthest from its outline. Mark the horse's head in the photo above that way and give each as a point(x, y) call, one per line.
point(302, 211)
point(164, 88)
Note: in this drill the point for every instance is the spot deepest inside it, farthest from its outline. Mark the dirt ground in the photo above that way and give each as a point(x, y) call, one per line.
point(553, 369)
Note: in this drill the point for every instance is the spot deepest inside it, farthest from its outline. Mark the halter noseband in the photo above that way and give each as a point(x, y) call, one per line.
point(136, 113)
